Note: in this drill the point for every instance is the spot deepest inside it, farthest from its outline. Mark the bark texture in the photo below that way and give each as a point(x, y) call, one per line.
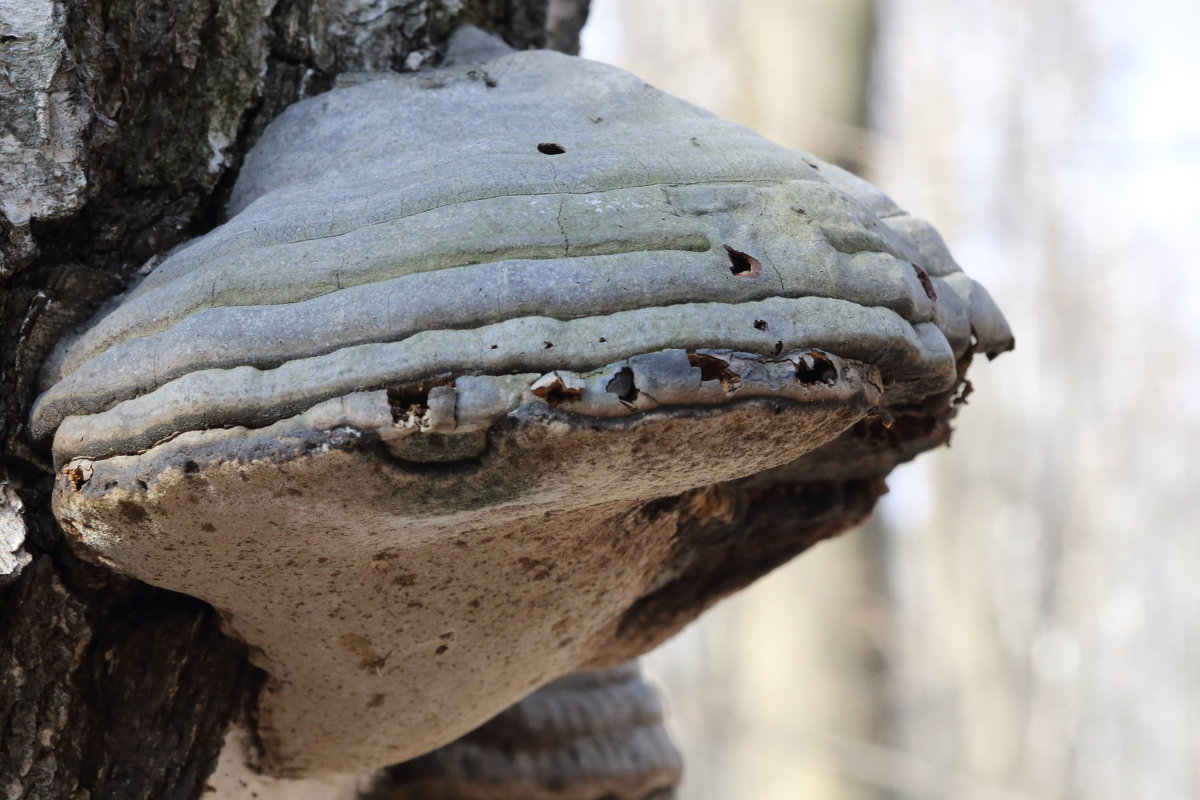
point(111, 688)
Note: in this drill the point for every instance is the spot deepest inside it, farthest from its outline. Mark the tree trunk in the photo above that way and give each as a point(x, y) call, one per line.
point(122, 125)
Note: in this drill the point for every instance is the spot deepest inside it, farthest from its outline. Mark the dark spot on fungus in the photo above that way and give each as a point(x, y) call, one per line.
point(548, 345)
point(778, 347)
point(551, 149)
point(926, 283)
point(376, 701)
point(190, 468)
point(540, 567)
point(602, 339)
point(556, 393)
point(442, 648)
point(742, 264)
point(207, 527)
point(481, 75)
point(715, 369)
point(815, 367)
point(131, 512)
point(495, 347)
point(405, 579)
point(76, 476)
point(622, 386)
point(761, 324)
point(410, 399)
point(402, 407)
point(372, 663)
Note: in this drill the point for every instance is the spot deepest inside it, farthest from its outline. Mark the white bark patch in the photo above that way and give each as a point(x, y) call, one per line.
point(218, 141)
point(12, 535)
point(41, 147)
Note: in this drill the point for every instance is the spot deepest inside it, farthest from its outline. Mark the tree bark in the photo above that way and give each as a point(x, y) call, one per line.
point(122, 125)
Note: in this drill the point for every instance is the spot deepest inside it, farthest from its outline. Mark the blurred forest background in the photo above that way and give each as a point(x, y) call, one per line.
point(1021, 621)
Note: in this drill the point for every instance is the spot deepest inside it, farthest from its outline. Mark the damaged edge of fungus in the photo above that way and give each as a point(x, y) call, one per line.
point(473, 403)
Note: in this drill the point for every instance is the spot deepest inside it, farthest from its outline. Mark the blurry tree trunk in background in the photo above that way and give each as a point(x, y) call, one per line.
point(1044, 589)
point(122, 124)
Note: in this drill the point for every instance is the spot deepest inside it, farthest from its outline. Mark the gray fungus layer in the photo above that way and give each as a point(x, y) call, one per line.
point(410, 227)
point(403, 418)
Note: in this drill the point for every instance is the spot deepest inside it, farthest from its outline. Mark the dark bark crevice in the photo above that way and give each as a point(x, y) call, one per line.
point(113, 689)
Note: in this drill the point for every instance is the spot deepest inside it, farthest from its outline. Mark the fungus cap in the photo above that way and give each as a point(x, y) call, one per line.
point(399, 418)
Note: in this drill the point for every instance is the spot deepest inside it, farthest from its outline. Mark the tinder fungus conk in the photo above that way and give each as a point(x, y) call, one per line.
point(411, 417)
point(585, 736)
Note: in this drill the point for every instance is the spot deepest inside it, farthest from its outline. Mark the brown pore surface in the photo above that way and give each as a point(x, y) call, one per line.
point(400, 616)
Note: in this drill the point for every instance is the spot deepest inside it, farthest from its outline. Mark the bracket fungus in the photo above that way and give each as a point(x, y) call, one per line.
point(584, 736)
point(404, 417)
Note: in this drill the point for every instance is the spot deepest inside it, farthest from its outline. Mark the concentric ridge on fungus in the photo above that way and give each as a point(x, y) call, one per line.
point(454, 327)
